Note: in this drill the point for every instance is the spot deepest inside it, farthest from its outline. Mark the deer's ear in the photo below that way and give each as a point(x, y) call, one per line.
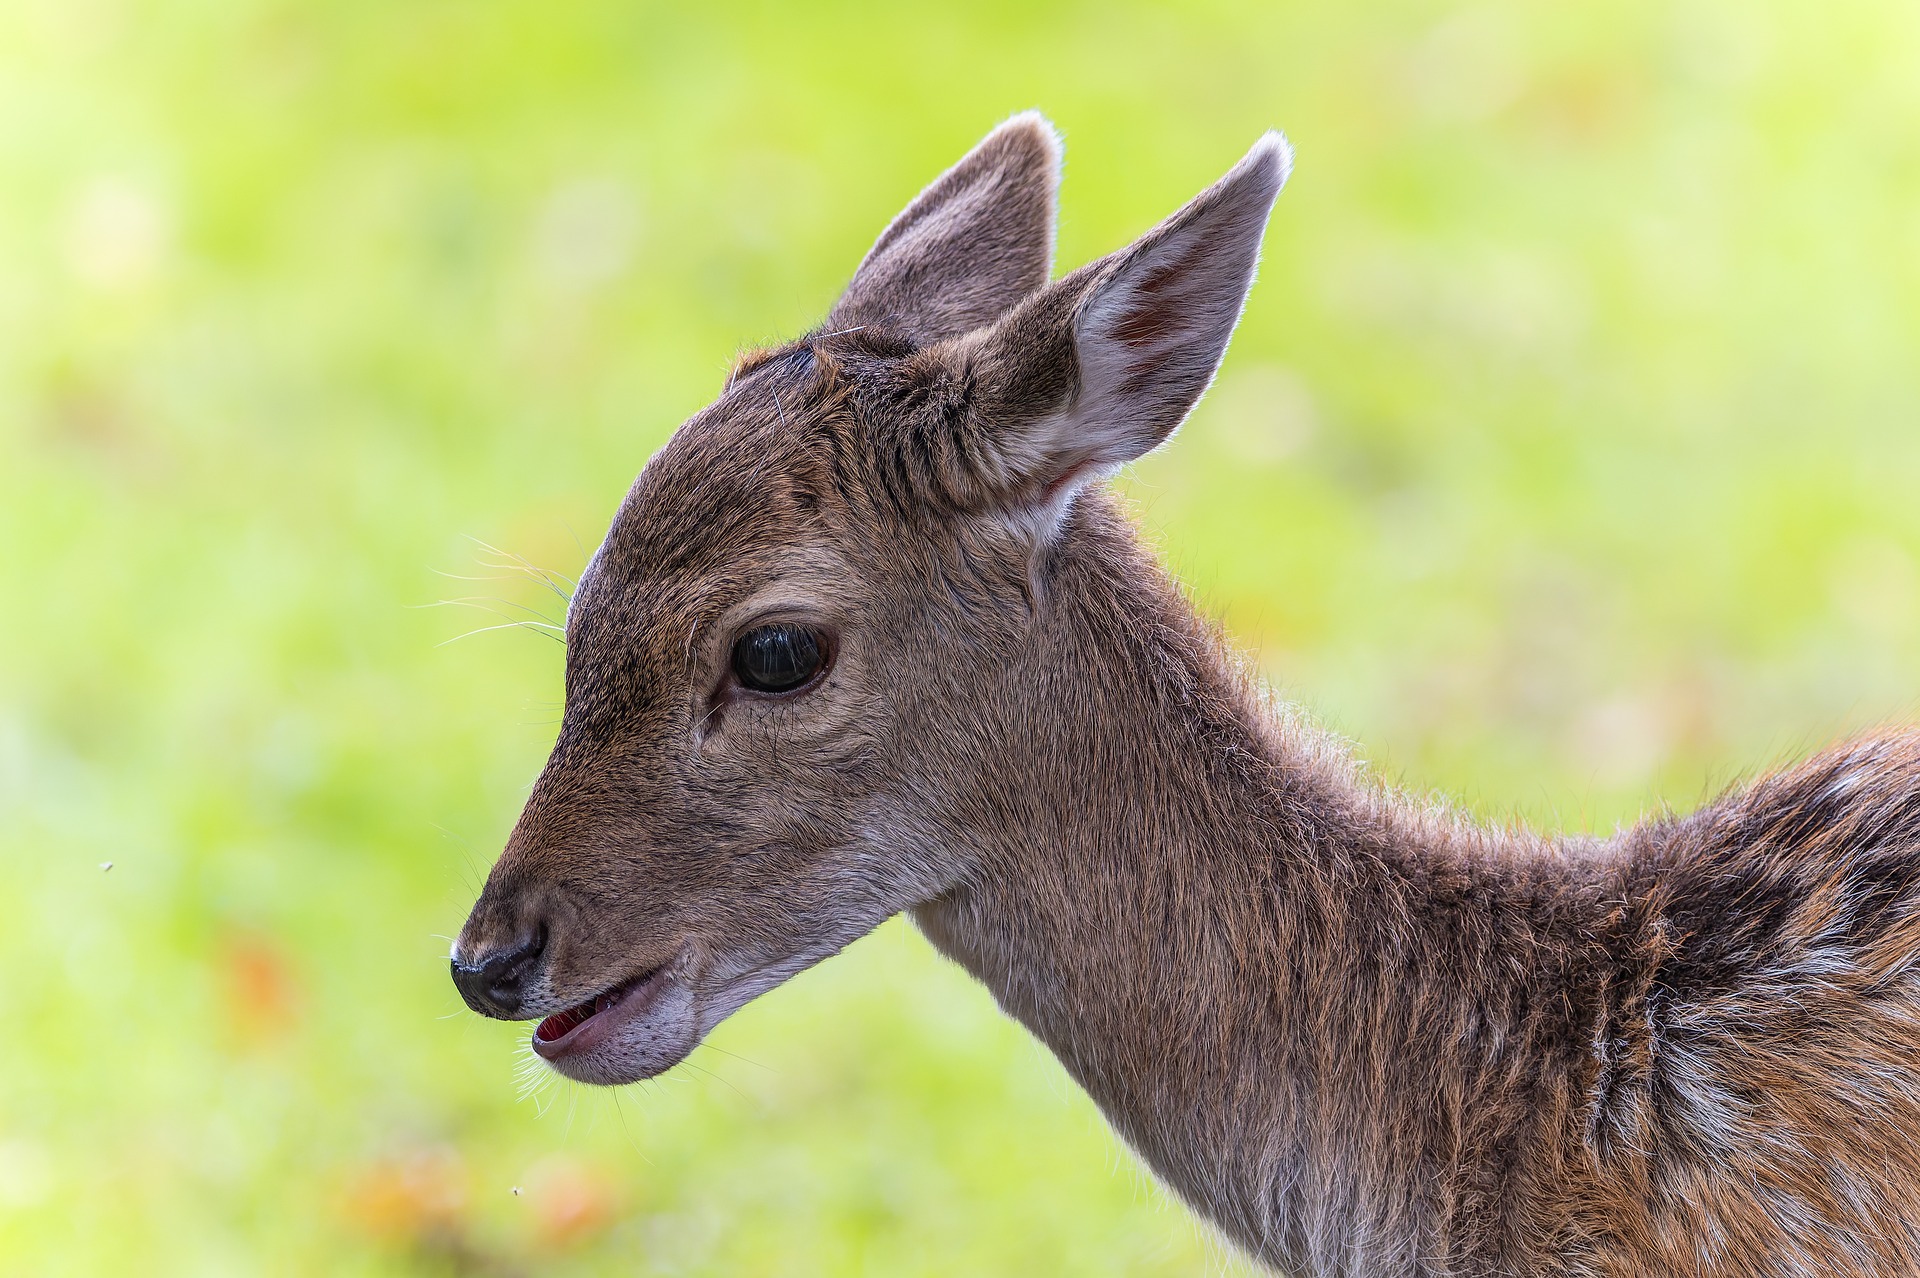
point(970, 247)
point(1101, 367)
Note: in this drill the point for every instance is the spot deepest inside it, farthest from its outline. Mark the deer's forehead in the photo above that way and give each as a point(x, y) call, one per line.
point(639, 590)
point(750, 492)
point(689, 543)
point(723, 484)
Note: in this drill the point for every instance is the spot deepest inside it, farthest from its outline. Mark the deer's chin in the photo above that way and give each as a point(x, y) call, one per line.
point(632, 1031)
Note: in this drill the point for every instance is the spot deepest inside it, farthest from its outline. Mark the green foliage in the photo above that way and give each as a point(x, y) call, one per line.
point(1568, 457)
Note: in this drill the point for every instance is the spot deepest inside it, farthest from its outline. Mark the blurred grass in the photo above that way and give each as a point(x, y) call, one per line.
point(1567, 458)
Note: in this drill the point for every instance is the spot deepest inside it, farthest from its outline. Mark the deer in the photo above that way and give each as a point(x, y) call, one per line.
point(871, 634)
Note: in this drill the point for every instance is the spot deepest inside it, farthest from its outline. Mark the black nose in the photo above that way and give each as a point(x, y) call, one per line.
point(496, 985)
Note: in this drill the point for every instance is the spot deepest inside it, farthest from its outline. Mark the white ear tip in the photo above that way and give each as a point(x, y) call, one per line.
point(1036, 129)
point(1272, 156)
point(1030, 119)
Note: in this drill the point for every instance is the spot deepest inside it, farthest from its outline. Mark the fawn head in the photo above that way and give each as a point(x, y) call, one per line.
point(799, 668)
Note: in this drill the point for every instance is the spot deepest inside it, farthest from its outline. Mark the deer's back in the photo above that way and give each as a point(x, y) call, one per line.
point(1767, 1119)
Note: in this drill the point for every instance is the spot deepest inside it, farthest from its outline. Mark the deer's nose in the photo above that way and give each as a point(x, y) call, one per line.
point(494, 983)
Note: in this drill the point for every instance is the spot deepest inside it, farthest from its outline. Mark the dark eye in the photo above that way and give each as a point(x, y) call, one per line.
point(777, 658)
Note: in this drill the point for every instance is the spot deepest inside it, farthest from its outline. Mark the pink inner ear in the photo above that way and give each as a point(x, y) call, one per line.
point(1149, 326)
point(1069, 480)
point(1152, 319)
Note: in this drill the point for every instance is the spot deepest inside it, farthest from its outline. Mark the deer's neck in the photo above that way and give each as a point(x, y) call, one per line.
point(1283, 988)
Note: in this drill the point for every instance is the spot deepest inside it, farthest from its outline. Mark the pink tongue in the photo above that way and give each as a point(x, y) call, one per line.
point(562, 1023)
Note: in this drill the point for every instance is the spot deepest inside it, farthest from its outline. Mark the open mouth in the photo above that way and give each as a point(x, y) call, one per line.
point(580, 1027)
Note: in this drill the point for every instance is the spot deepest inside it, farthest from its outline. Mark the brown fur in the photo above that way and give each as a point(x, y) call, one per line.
point(1362, 1037)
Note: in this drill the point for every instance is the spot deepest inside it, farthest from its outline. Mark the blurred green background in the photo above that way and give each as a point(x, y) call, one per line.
point(1568, 459)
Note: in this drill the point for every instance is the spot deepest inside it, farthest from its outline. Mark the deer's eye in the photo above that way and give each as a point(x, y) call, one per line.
point(777, 658)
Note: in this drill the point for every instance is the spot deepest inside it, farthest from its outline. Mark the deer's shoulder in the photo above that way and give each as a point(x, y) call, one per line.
point(1769, 1107)
point(1808, 877)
